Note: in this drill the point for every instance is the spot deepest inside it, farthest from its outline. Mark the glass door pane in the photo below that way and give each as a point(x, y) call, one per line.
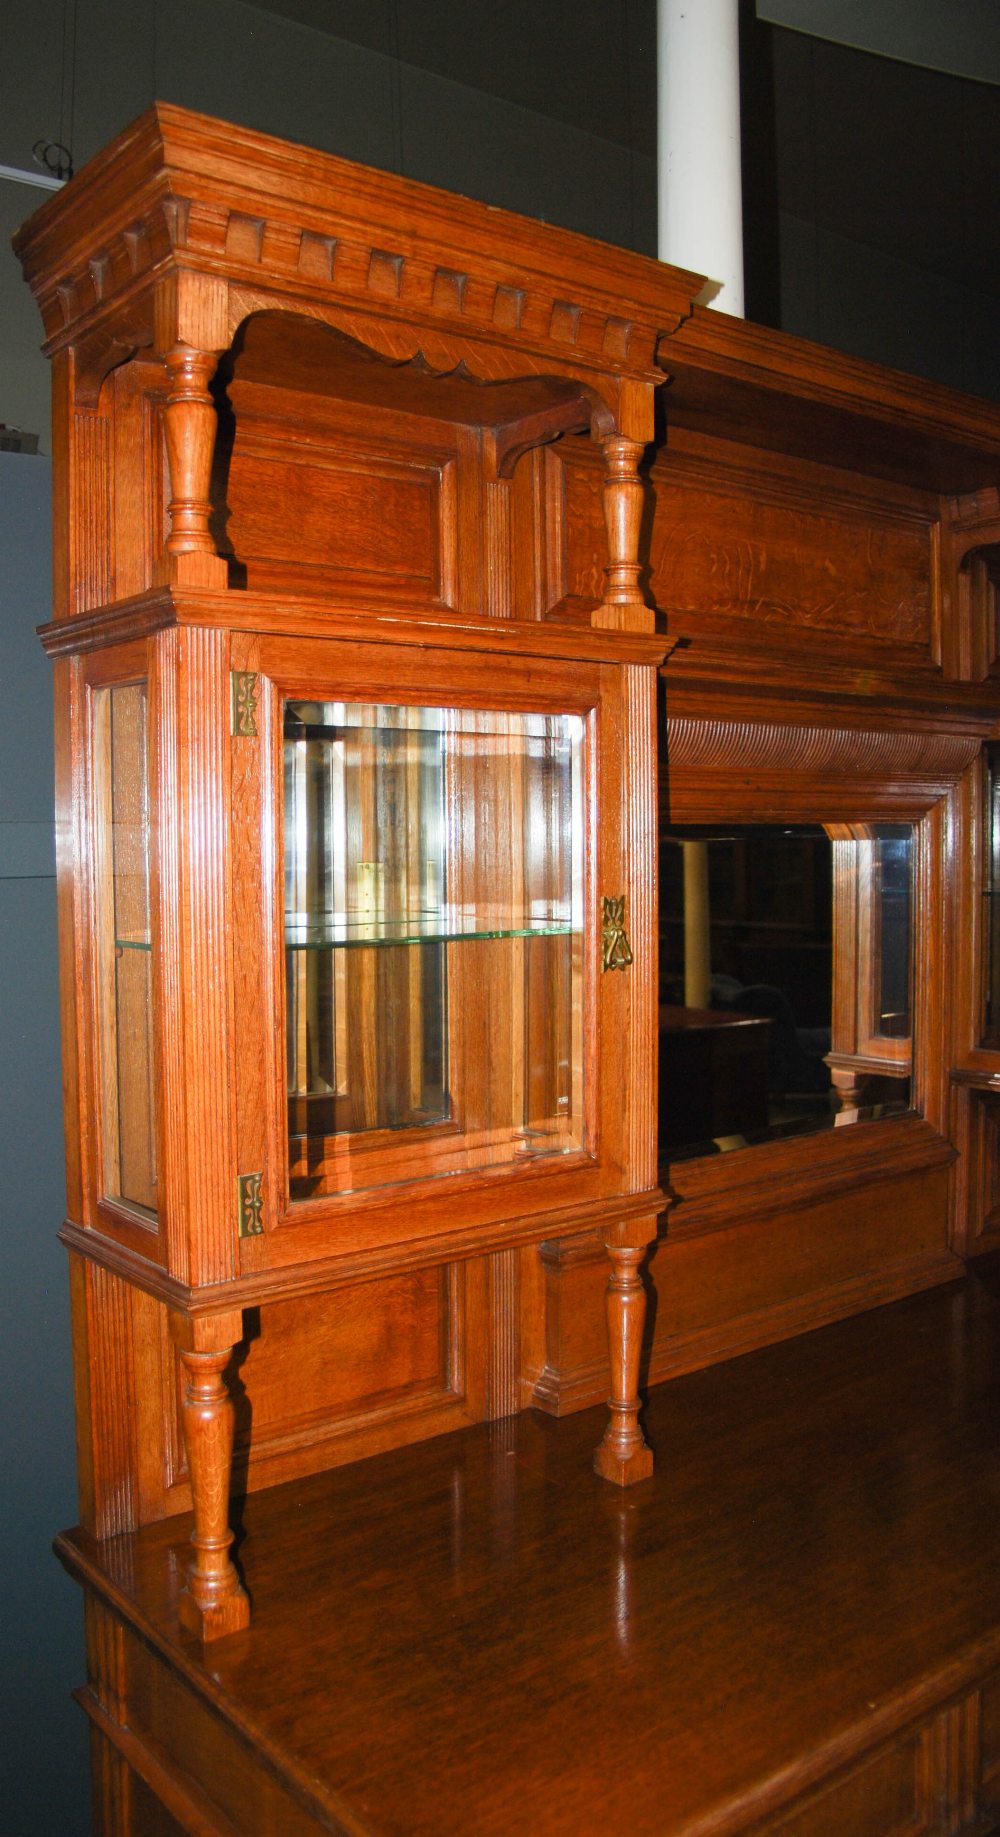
point(125, 991)
point(433, 938)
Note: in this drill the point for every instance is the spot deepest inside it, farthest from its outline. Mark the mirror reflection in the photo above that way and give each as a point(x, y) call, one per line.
point(785, 981)
point(991, 1018)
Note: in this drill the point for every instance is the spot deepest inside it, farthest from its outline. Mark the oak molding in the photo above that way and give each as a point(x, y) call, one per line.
point(178, 186)
point(851, 752)
point(324, 1273)
point(182, 1799)
point(833, 395)
point(756, 769)
point(370, 622)
point(977, 1075)
point(710, 1193)
point(724, 664)
point(976, 512)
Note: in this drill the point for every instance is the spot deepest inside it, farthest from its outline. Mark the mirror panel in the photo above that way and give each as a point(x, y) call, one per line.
point(785, 981)
point(991, 1018)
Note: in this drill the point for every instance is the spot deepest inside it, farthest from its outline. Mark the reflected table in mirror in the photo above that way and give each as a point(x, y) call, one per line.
point(713, 1075)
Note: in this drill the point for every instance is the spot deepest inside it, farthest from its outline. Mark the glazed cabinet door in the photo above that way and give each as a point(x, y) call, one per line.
point(115, 957)
point(420, 856)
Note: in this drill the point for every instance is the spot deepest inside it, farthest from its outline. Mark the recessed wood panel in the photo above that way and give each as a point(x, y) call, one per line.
point(987, 1143)
point(715, 552)
point(711, 552)
point(775, 1262)
point(990, 1711)
point(216, 1773)
point(348, 1353)
point(327, 518)
point(746, 1285)
point(320, 1379)
point(880, 1797)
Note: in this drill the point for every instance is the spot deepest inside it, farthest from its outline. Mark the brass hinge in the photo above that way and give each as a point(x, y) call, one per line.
point(243, 707)
point(251, 1204)
point(616, 951)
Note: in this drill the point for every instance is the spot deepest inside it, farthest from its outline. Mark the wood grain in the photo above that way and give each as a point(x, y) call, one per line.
point(810, 1572)
point(366, 441)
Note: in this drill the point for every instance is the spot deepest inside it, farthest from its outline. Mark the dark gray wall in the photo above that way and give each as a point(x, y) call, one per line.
point(43, 1746)
point(871, 186)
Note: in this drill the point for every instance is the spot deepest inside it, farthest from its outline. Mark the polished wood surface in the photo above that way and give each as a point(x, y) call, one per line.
point(321, 382)
point(328, 432)
point(793, 1625)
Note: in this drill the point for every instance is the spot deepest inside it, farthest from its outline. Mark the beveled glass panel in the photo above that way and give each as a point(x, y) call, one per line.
point(433, 921)
point(125, 993)
point(892, 872)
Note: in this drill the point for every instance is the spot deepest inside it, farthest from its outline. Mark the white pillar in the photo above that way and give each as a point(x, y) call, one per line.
point(700, 189)
point(700, 200)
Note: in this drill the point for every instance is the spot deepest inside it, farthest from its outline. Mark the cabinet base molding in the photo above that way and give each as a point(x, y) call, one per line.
point(721, 1293)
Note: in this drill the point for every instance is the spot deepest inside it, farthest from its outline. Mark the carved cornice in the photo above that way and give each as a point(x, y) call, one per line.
point(315, 229)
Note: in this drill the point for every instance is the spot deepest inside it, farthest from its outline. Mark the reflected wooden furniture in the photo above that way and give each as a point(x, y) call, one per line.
point(871, 1036)
point(374, 524)
point(713, 1074)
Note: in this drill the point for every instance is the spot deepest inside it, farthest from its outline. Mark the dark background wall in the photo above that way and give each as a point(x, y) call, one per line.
point(871, 219)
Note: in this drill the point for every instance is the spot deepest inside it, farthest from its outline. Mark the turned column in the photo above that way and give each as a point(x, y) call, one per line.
point(189, 421)
point(624, 1456)
point(213, 1601)
point(623, 605)
point(190, 331)
point(850, 1082)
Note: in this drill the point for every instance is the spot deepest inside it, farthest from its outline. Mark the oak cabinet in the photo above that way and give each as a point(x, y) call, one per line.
point(357, 824)
point(408, 554)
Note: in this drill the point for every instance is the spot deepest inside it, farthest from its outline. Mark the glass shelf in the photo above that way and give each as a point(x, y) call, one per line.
point(409, 826)
point(419, 928)
point(133, 944)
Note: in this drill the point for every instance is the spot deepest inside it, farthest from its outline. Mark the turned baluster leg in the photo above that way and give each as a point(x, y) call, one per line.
point(624, 1456)
point(190, 423)
point(213, 1601)
point(849, 1086)
point(624, 497)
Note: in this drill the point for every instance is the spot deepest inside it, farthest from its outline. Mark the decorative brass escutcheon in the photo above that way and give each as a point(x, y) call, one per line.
point(243, 724)
point(251, 1204)
point(616, 951)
